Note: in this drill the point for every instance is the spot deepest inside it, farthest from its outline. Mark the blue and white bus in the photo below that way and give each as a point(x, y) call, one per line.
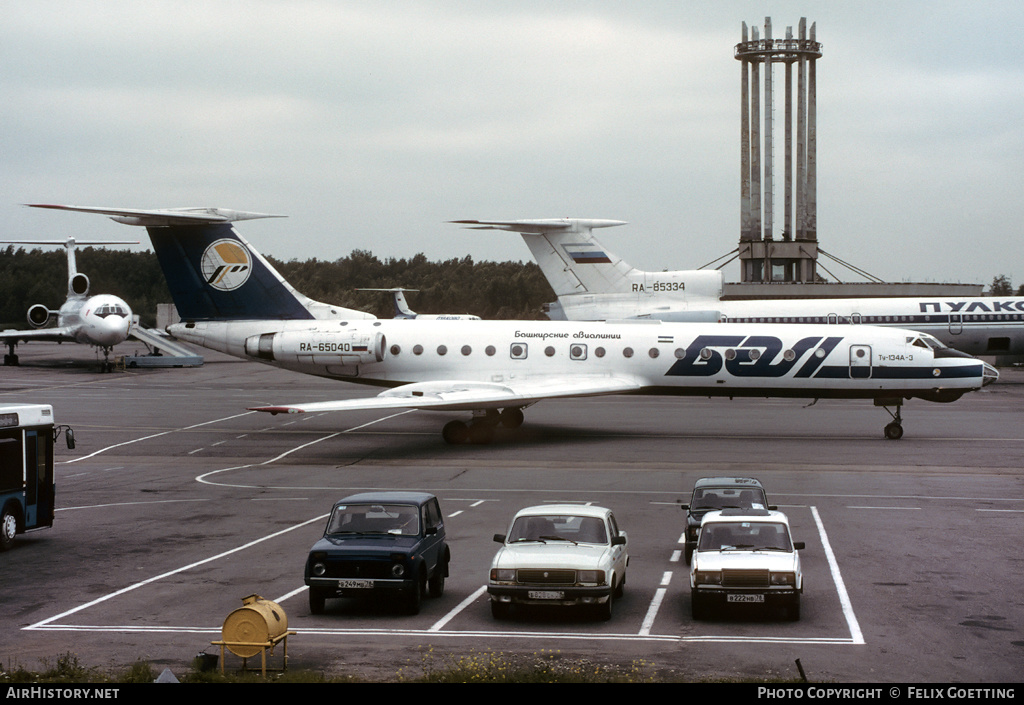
point(27, 487)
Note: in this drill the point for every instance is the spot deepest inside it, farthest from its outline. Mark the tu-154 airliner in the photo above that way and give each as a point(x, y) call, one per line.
point(594, 284)
point(231, 299)
point(101, 320)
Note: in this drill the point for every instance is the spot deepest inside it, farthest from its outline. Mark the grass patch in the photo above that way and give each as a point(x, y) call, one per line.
point(475, 667)
point(539, 667)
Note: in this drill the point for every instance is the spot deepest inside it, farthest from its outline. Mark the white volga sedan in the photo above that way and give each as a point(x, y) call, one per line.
point(559, 554)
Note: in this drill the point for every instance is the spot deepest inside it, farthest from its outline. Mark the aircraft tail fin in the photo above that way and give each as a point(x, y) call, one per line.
point(572, 260)
point(78, 283)
point(212, 272)
point(402, 309)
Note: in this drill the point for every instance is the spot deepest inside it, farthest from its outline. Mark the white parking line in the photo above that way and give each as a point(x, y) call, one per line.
point(439, 624)
point(652, 609)
point(46, 622)
point(844, 597)
point(902, 509)
point(437, 629)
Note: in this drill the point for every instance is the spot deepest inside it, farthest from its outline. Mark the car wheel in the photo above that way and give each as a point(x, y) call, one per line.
point(605, 609)
point(500, 610)
point(698, 606)
point(688, 554)
point(793, 610)
point(317, 600)
point(435, 586)
point(8, 528)
point(414, 600)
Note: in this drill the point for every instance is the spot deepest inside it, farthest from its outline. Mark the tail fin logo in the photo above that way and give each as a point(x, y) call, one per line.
point(226, 265)
point(586, 253)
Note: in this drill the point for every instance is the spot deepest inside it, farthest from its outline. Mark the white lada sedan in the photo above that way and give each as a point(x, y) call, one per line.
point(746, 557)
point(559, 554)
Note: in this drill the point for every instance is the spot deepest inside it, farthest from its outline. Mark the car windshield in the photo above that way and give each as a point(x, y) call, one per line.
point(384, 519)
point(555, 527)
point(752, 535)
point(728, 497)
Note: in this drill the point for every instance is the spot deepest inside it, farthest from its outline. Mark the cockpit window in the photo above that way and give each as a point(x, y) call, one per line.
point(111, 310)
point(926, 341)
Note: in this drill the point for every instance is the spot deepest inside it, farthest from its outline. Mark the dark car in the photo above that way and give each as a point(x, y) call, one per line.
point(711, 493)
point(380, 544)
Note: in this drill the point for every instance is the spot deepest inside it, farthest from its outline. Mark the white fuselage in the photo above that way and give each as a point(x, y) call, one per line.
point(102, 320)
point(977, 325)
point(663, 358)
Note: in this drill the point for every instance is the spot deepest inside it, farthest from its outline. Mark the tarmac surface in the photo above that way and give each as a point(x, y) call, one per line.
point(177, 503)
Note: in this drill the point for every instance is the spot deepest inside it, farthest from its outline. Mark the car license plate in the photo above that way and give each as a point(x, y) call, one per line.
point(355, 583)
point(744, 598)
point(546, 595)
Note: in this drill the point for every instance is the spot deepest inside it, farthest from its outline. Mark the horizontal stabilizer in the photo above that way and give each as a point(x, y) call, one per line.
point(73, 242)
point(540, 226)
point(164, 216)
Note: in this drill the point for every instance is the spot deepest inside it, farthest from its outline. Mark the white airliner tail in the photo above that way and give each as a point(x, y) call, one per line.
point(78, 283)
point(565, 249)
point(592, 283)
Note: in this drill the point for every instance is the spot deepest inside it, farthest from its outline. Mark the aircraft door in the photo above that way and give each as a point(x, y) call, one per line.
point(956, 323)
point(860, 361)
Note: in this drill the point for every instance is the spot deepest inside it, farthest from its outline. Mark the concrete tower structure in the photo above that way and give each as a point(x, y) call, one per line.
point(792, 257)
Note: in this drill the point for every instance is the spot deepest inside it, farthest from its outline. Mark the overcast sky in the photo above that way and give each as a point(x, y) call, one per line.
point(371, 124)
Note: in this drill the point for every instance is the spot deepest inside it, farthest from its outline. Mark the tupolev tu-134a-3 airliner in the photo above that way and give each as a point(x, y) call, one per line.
point(232, 300)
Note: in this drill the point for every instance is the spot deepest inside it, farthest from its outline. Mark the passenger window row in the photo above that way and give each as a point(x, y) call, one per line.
point(520, 351)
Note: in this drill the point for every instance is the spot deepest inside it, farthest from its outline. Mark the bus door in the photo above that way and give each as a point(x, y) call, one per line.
point(39, 484)
point(860, 361)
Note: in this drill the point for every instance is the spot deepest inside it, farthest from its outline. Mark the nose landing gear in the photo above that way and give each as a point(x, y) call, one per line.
point(894, 429)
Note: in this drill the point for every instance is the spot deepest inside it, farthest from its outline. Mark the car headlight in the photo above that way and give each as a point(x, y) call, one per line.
point(708, 577)
point(319, 569)
point(397, 570)
point(591, 576)
point(784, 579)
point(503, 575)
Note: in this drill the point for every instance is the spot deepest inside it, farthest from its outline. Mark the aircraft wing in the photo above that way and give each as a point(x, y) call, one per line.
point(454, 395)
point(56, 335)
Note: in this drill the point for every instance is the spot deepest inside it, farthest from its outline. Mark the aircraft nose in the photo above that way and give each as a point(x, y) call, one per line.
point(989, 375)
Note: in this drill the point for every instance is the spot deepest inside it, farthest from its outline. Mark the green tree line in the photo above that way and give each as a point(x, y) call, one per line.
point(494, 290)
point(1002, 286)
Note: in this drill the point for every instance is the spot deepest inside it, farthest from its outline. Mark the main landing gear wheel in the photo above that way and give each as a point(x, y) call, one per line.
point(455, 433)
point(480, 431)
point(511, 417)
